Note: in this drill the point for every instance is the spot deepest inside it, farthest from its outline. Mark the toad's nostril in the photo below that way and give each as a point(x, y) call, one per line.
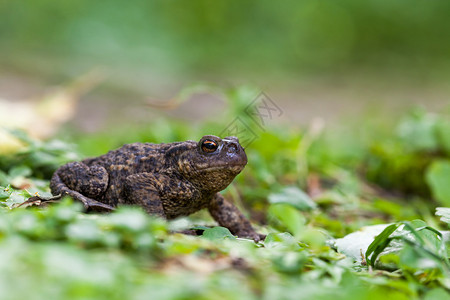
point(232, 147)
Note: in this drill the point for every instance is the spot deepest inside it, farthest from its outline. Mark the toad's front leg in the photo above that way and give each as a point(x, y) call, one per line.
point(160, 195)
point(142, 189)
point(229, 216)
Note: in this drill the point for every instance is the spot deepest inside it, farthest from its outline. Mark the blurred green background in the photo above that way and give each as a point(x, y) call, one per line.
point(316, 58)
point(228, 38)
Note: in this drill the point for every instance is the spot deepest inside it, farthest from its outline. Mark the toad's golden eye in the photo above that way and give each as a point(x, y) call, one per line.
point(209, 146)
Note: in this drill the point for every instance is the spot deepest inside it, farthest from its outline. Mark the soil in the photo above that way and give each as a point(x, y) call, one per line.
point(331, 100)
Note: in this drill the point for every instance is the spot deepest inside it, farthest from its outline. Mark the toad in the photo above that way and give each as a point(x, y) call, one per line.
point(166, 180)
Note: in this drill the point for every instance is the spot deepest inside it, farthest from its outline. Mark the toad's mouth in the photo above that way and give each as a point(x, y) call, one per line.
point(225, 166)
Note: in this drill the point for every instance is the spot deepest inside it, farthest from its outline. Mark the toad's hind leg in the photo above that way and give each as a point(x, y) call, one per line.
point(81, 183)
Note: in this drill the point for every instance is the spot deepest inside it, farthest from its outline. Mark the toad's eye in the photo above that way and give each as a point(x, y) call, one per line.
point(209, 146)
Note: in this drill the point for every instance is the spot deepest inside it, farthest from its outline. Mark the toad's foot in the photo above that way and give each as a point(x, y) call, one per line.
point(89, 204)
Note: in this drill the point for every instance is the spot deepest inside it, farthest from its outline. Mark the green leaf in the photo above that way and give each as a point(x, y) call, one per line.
point(418, 131)
point(291, 262)
point(283, 240)
point(427, 242)
point(380, 242)
point(4, 194)
point(438, 178)
point(217, 233)
point(289, 217)
point(129, 219)
point(16, 197)
point(437, 293)
point(4, 178)
point(412, 257)
point(443, 130)
point(294, 196)
point(22, 171)
point(84, 231)
point(420, 246)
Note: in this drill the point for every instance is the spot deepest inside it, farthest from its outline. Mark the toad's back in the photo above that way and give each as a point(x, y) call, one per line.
point(132, 159)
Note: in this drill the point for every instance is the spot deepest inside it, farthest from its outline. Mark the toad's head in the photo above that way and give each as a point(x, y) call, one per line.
point(212, 163)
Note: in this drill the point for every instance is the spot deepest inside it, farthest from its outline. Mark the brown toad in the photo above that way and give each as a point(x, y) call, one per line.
point(167, 180)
